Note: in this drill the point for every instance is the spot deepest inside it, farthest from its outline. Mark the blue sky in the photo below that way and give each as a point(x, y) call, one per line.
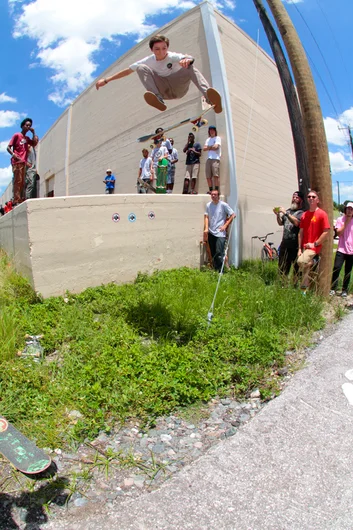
point(52, 49)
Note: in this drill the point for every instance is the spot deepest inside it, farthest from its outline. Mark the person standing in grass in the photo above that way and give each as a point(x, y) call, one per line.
point(313, 229)
point(344, 254)
point(217, 218)
point(290, 220)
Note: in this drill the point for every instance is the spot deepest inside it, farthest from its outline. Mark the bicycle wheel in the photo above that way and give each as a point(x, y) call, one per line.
point(274, 253)
point(264, 254)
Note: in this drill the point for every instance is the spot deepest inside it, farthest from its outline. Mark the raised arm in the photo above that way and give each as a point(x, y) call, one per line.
point(118, 75)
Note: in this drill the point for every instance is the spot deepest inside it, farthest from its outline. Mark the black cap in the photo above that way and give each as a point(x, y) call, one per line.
point(300, 194)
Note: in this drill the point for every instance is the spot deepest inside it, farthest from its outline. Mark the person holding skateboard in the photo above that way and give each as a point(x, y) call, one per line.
point(167, 75)
point(145, 173)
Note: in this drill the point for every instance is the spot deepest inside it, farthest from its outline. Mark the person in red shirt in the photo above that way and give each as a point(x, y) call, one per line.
point(313, 229)
point(18, 148)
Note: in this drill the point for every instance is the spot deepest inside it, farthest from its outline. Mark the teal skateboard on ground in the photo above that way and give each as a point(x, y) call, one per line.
point(23, 454)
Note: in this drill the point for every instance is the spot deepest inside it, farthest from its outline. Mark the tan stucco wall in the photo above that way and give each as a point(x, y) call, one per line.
point(72, 243)
point(14, 239)
point(265, 160)
point(51, 156)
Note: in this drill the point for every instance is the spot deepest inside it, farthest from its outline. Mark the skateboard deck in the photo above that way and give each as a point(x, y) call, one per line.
point(146, 185)
point(197, 121)
point(162, 172)
point(208, 261)
point(23, 454)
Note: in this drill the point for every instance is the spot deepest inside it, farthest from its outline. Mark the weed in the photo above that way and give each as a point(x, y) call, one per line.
point(145, 349)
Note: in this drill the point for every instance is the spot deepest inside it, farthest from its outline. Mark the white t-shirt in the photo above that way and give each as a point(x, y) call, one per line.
point(214, 155)
point(146, 167)
point(157, 152)
point(167, 66)
point(217, 216)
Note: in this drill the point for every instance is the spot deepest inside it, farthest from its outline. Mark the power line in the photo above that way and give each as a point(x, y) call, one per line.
point(323, 58)
point(336, 43)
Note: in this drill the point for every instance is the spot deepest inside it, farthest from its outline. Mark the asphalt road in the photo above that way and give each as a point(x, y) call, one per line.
point(291, 467)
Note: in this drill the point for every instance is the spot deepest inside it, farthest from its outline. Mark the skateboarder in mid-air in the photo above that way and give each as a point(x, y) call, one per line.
point(167, 75)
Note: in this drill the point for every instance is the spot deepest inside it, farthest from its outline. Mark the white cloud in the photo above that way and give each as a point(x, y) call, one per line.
point(334, 133)
point(336, 129)
point(4, 98)
point(339, 163)
point(5, 176)
point(69, 33)
point(8, 118)
point(346, 191)
point(3, 146)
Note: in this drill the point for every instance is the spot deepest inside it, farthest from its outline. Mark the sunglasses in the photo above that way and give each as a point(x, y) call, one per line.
point(312, 197)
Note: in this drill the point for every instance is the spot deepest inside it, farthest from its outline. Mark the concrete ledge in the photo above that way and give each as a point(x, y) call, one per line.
point(71, 243)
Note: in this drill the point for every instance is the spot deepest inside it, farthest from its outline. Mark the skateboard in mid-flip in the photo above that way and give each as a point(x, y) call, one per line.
point(196, 121)
point(23, 454)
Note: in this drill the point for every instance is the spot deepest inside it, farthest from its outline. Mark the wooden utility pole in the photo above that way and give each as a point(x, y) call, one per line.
point(315, 137)
point(291, 96)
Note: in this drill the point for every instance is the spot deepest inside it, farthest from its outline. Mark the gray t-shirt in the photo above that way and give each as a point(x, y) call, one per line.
point(217, 216)
point(290, 231)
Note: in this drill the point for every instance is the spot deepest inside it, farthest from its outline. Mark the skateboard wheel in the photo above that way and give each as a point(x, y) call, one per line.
point(195, 128)
point(151, 146)
point(205, 122)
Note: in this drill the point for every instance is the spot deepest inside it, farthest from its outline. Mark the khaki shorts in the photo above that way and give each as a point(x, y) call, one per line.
point(212, 168)
point(306, 257)
point(192, 171)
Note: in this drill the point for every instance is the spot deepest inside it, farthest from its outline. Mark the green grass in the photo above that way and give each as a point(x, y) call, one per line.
point(142, 350)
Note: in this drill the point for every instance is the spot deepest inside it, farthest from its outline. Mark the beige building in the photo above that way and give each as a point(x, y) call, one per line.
point(99, 129)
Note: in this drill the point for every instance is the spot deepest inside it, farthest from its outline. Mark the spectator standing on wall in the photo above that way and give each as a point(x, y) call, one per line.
point(313, 229)
point(217, 218)
point(32, 177)
point(290, 220)
point(344, 254)
point(158, 153)
point(173, 159)
point(109, 182)
point(18, 148)
point(2, 211)
point(213, 148)
point(146, 171)
point(193, 152)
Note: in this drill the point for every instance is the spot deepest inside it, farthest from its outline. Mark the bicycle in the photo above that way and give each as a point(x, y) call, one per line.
point(268, 251)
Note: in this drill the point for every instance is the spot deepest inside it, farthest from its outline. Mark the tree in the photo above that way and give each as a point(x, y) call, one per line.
point(318, 157)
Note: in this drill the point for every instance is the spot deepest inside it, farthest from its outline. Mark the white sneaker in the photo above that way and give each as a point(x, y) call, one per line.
point(344, 294)
point(332, 292)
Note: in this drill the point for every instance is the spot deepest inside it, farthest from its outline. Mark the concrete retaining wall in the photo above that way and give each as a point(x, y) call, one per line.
point(71, 243)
